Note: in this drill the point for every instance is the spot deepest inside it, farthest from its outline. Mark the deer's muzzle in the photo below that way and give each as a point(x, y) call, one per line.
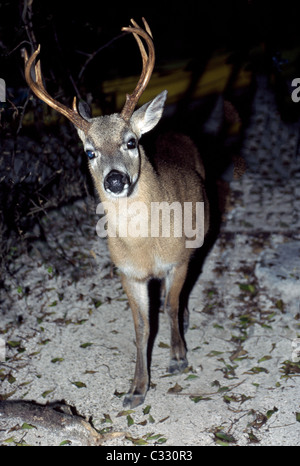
point(116, 182)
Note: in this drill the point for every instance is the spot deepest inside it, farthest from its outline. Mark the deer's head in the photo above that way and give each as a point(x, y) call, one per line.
point(111, 142)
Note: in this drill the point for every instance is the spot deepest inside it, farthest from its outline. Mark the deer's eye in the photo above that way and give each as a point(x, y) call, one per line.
point(131, 144)
point(90, 153)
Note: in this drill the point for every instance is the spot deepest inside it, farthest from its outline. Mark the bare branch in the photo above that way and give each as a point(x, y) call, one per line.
point(93, 55)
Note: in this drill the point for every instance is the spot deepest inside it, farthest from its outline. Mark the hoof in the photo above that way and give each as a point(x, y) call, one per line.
point(132, 401)
point(177, 366)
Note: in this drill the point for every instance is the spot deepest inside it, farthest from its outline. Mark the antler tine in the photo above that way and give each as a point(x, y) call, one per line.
point(147, 27)
point(38, 88)
point(142, 49)
point(148, 65)
point(140, 43)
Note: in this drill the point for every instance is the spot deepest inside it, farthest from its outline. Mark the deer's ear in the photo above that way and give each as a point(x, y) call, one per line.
point(85, 112)
point(146, 118)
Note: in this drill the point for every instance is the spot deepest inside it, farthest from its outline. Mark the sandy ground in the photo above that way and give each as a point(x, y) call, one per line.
point(69, 336)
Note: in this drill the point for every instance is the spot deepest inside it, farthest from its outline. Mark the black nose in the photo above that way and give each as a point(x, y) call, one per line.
point(116, 181)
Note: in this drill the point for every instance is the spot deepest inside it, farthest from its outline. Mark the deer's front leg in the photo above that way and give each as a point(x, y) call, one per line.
point(137, 293)
point(173, 284)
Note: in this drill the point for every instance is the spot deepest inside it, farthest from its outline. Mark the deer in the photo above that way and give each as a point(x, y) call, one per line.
point(121, 169)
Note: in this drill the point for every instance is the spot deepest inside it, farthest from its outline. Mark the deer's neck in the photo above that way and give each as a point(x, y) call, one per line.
point(148, 187)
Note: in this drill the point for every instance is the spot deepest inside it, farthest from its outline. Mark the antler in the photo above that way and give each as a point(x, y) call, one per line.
point(148, 65)
point(38, 88)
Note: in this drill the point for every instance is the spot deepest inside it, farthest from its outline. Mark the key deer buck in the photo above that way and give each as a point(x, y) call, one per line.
point(121, 169)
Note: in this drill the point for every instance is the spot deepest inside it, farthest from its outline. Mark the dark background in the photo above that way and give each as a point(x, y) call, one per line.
point(82, 46)
point(69, 31)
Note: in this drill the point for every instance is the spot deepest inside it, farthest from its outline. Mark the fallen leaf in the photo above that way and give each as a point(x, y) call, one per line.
point(79, 384)
point(176, 389)
point(163, 345)
point(26, 426)
point(224, 439)
point(45, 393)
point(270, 412)
point(146, 410)
point(130, 420)
point(85, 345)
point(125, 413)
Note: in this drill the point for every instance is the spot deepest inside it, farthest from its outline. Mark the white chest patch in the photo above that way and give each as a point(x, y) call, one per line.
point(156, 268)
